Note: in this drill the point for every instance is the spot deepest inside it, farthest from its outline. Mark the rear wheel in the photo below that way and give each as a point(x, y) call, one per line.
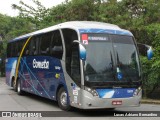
point(14, 85)
point(63, 99)
point(19, 91)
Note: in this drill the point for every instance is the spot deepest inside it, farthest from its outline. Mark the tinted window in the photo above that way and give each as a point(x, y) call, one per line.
point(33, 45)
point(72, 54)
point(1, 45)
point(8, 50)
point(100, 61)
point(20, 45)
point(56, 45)
point(45, 44)
point(110, 58)
point(26, 50)
point(75, 63)
point(15, 49)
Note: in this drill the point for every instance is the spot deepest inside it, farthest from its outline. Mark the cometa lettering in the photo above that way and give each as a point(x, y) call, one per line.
point(41, 64)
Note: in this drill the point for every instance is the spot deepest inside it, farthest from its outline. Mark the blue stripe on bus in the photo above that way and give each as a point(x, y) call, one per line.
point(109, 31)
point(116, 93)
point(40, 81)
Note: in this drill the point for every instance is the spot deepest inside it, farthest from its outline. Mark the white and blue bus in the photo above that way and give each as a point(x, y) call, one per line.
point(87, 65)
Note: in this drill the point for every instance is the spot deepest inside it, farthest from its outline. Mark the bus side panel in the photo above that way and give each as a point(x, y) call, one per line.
point(10, 69)
point(41, 75)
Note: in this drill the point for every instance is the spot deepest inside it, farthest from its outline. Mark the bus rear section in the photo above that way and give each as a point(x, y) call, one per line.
point(11, 63)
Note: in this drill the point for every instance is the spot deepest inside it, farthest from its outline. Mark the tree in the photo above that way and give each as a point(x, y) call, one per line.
point(35, 15)
point(141, 17)
point(11, 27)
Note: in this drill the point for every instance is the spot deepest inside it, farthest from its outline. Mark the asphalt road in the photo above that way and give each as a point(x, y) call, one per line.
point(10, 101)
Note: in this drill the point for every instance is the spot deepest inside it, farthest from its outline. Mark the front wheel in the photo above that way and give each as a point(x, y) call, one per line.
point(63, 99)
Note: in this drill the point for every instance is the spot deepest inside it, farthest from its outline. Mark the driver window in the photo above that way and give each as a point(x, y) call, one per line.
point(75, 62)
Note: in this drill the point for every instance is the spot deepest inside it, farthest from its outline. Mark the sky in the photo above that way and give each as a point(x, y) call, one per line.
point(5, 6)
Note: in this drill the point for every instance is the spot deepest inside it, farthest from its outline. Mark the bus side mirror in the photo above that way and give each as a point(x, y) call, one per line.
point(145, 50)
point(82, 51)
point(149, 53)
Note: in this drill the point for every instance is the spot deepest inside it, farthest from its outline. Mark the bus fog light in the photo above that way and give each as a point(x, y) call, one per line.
point(89, 104)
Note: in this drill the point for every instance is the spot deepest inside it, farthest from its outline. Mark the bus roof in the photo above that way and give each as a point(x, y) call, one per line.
point(77, 25)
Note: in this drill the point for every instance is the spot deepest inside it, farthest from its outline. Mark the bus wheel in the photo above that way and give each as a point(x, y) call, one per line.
point(62, 99)
point(19, 91)
point(14, 86)
point(110, 109)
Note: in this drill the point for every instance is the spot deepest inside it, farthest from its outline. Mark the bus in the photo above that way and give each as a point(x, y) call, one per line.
point(1, 65)
point(81, 64)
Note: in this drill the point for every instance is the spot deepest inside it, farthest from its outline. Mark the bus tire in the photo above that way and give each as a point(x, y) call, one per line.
point(14, 85)
point(19, 90)
point(62, 99)
point(111, 109)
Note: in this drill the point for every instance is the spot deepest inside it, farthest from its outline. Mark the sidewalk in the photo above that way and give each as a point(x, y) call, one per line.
point(150, 101)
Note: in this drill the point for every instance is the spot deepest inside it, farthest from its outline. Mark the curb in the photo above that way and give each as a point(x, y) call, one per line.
point(150, 101)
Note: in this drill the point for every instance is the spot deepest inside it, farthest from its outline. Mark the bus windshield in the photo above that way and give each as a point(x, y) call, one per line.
point(111, 58)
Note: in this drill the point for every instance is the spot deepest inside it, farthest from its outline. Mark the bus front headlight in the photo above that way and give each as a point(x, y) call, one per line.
point(92, 91)
point(136, 92)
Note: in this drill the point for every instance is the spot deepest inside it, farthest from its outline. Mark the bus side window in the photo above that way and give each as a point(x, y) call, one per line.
point(34, 46)
point(14, 49)
point(9, 50)
point(26, 50)
point(1, 45)
point(20, 45)
point(45, 44)
point(56, 46)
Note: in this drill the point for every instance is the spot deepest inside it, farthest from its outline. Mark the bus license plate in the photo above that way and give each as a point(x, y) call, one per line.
point(117, 102)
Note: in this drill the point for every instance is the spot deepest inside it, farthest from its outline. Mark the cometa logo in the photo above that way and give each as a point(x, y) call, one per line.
point(41, 64)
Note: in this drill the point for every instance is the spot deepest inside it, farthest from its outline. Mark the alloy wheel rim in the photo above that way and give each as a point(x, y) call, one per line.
point(18, 86)
point(63, 98)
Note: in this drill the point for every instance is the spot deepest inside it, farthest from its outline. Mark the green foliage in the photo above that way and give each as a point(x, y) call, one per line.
point(11, 27)
point(141, 17)
point(36, 15)
point(80, 10)
point(151, 69)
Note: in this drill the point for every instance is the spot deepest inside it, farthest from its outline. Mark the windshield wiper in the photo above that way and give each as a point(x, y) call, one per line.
point(111, 64)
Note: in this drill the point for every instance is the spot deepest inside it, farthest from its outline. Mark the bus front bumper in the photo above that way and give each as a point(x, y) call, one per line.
point(88, 101)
